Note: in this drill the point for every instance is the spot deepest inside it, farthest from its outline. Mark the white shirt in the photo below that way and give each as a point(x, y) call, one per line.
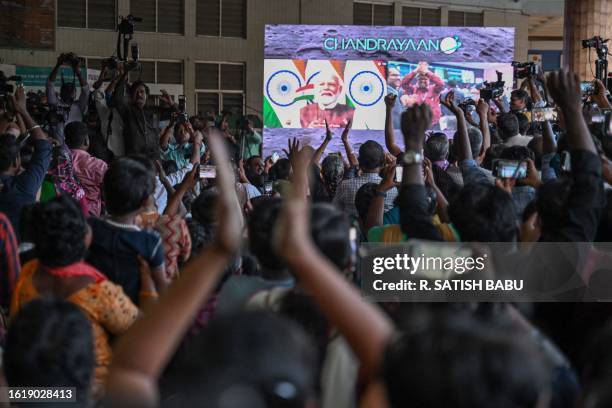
point(115, 140)
point(160, 194)
point(518, 140)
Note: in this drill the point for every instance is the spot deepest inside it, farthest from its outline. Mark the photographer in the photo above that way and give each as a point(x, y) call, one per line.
point(140, 123)
point(110, 128)
point(250, 140)
point(20, 187)
point(69, 109)
point(187, 146)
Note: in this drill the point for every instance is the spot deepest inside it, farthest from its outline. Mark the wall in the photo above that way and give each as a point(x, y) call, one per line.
point(191, 48)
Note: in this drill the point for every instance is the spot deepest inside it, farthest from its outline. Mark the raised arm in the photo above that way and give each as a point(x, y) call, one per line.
point(166, 134)
point(393, 148)
point(436, 80)
point(196, 146)
point(49, 86)
point(175, 200)
point(19, 102)
point(140, 355)
point(353, 162)
point(340, 302)
point(483, 114)
point(83, 100)
point(376, 211)
point(316, 157)
point(117, 89)
point(463, 148)
point(565, 89)
point(599, 97)
point(414, 216)
point(586, 197)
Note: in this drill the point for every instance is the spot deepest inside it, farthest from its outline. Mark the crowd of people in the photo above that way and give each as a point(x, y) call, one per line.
point(179, 267)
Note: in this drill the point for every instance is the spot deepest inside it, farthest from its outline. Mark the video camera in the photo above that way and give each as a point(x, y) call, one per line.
point(126, 25)
point(69, 58)
point(468, 105)
point(42, 113)
point(6, 88)
point(601, 63)
point(524, 69)
point(493, 90)
point(182, 109)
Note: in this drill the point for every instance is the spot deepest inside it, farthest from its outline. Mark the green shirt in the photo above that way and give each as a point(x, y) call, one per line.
point(181, 155)
point(250, 146)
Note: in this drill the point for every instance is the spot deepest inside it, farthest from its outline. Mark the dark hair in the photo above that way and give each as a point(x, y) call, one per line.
point(436, 147)
point(9, 151)
point(371, 155)
point(259, 358)
point(329, 228)
point(58, 231)
point(493, 152)
point(127, 184)
point(475, 137)
point(203, 207)
point(50, 344)
point(484, 213)
point(517, 153)
point(332, 171)
point(363, 199)
point(553, 204)
point(523, 123)
point(281, 170)
point(520, 94)
point(535, 145)
point(169, 166)
point(76, 134)
point(507, 125)
point(447, 185)
point(455, 357)
point(261, 224)
point(132, 89)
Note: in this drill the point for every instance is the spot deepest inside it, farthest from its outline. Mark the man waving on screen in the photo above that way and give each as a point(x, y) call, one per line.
point(427, 90)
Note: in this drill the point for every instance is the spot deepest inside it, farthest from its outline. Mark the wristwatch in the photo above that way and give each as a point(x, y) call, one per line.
point(412, 157)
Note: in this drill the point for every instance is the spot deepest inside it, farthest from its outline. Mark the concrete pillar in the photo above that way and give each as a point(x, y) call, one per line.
point(584, 19)
point(444, 15)
point(397, 13)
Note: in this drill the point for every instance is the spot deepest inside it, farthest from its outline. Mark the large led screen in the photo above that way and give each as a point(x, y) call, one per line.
point(336, 74)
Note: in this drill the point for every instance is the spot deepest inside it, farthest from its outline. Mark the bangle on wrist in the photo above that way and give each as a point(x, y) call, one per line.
point(148, 293)
point(32, 128)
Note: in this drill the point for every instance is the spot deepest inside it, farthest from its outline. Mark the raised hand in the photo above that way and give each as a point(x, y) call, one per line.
point(449, 102)
point(328, 133)
point(533, 178)
point(165, 96)
point(415, 121)
point(428, 173)
point(19, 99)
point(388, 178)
point(564, 87)
point(229, 213)
point(292, 231)
point(345, 132)
point(483, 108)
point(294, 147)
point(390, 100)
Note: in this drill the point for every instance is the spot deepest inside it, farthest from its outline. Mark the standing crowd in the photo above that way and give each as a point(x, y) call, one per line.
point(179, 267)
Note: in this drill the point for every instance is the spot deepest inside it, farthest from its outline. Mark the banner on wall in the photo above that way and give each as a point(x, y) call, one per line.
point(341, 74)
